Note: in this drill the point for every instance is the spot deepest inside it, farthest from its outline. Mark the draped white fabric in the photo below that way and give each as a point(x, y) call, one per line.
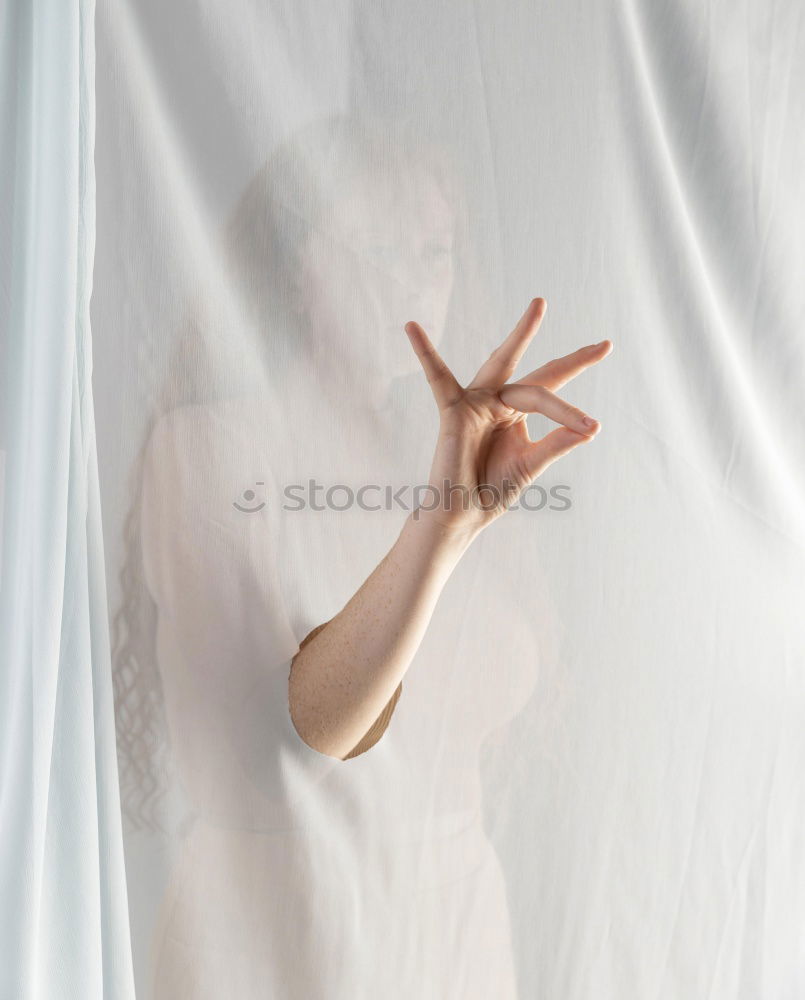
point(64, 923)
point(590, 786)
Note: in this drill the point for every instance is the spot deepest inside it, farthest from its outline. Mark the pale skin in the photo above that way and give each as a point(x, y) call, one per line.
point(345, 675)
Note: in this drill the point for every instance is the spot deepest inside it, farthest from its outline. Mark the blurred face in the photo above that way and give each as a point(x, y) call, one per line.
point(383, 256)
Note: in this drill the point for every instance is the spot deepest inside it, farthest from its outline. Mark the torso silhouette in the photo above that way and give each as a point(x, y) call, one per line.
point(304, 875)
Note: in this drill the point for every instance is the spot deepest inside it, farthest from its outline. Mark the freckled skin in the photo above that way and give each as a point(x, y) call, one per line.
point(347, 676)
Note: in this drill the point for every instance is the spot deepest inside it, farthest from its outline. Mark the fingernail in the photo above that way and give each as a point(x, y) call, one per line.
point(589, 422)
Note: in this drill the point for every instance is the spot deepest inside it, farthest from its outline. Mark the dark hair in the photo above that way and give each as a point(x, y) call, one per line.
point(243, 333)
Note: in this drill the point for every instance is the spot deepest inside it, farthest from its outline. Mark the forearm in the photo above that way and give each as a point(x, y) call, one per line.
point(342, 679)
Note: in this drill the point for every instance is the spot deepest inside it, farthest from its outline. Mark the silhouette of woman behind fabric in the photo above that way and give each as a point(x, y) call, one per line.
point(267, 499)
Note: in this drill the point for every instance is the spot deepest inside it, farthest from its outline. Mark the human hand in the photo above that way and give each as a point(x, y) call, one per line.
point(484, 457)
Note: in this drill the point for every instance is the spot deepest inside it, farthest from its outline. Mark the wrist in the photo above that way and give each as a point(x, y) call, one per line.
point(449, 535)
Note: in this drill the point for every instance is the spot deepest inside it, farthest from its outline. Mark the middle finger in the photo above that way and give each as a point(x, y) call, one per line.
point(554, 374)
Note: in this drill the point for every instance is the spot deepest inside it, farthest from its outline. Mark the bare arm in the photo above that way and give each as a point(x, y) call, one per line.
point(345, 673)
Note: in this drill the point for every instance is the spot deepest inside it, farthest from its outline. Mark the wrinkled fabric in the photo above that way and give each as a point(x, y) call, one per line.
point(64, 922)
point(589, 787)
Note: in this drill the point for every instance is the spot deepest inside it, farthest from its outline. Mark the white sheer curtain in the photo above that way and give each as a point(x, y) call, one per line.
point(587, 784)
point(64, 928)
point(590, 784)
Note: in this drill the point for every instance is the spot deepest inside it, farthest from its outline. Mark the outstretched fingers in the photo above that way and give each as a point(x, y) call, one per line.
point(554, 374)
point(500, 365)
point(443, 383)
